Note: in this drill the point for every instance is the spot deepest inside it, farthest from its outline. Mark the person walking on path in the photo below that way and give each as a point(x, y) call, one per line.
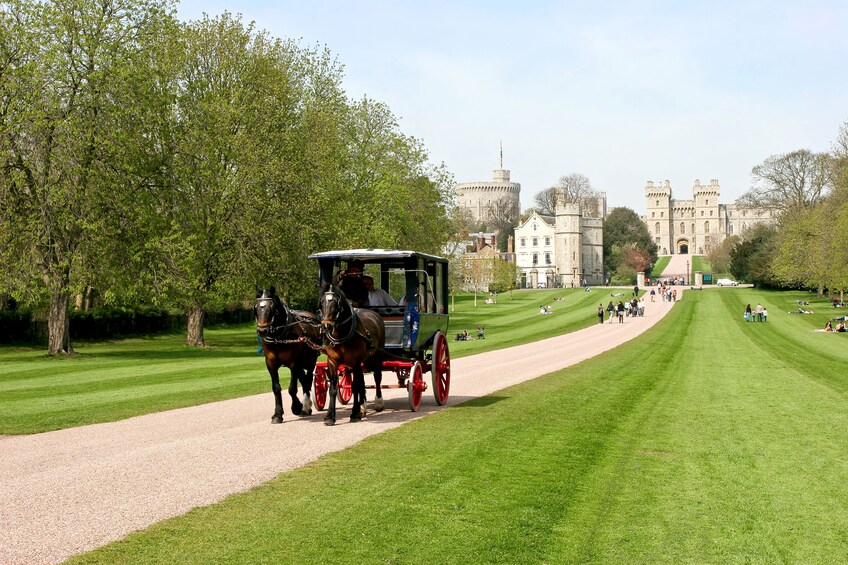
point(600, 313)
point(620, 310)
point(759, 312)
point(611, 311)
point(749, 316)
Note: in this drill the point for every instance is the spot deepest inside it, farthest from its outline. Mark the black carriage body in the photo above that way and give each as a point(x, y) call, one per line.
point(418, 281)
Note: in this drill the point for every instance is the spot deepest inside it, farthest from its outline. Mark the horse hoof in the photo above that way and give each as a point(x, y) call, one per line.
point(297, 409)
point(329, 421)
point(305, 412)
point(355, 418)
point(276, 419)
point(378, 405)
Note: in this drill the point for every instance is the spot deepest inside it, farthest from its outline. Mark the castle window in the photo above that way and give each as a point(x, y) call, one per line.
point(662, 214)
point(535, 242)
point(682, 228)
point(693, 228)
point(653, 214)
point(522, 242)
point(547, 258)
point(535, 258)
point(706, 227)
point(730, 229)
point(707, 202)
point(702, 213)
point(711, 212)
point(658, 203)
point(534, 226)
point(547, 240)
point(657, 228)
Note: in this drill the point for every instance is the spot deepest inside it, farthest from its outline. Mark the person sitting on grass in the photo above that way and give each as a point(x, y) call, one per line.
point(802, 311)
point(840, 327)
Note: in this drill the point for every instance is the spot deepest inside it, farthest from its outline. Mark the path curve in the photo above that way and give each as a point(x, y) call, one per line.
point(70, 491)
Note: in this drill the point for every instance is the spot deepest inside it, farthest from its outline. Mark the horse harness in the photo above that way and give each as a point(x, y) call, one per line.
point(354, 322)
point(276, 333)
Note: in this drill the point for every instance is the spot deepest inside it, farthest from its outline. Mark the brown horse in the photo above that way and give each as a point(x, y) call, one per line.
point(288, 337)
point(352, 337)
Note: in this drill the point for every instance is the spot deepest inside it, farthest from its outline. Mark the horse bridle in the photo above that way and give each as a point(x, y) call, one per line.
point(329, 296)
point(278, 305)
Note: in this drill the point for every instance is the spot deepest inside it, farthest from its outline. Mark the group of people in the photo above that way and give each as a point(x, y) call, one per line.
point(624, 309)
point(359, 287)
point(758, 314)
point(667, 293)
point(544, 310)
point(828, 327)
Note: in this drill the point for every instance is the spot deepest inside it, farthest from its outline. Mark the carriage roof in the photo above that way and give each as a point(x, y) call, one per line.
point(367, 255)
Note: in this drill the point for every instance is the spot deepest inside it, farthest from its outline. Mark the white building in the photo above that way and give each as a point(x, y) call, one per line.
point(564, 249)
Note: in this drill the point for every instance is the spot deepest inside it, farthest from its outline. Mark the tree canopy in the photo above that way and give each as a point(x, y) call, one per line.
point(628, 247)
point(184, 163)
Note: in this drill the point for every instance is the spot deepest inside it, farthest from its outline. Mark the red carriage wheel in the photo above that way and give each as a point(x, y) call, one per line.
point(345, 384)
point(415, 386)
point(440, 369)
point(319, 387)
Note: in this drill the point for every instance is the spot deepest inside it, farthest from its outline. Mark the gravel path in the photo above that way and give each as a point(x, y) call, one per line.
point(70, 491)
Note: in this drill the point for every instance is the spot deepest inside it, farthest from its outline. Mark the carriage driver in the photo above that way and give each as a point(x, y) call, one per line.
point(351, 283)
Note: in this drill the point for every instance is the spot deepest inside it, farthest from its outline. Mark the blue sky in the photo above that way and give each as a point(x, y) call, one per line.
point(622, 92)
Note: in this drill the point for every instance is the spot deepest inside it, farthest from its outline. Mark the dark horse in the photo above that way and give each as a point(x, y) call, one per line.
point(286, 337)
point(352, 336)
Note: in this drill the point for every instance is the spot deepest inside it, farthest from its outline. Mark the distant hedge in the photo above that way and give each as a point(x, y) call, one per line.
point(20, 326)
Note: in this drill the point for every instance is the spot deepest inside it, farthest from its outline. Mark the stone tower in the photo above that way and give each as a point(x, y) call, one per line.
point(658, 215)
point(568, 244)
point(708, 225)
point(477, 198)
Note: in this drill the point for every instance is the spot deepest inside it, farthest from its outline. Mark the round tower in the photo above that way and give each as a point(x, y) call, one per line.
point(477, 198)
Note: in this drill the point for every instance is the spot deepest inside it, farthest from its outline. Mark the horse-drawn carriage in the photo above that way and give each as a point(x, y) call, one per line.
point(413, 310)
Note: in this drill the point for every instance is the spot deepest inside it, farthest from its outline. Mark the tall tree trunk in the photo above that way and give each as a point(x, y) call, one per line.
point(58, 325)
point(195, 327)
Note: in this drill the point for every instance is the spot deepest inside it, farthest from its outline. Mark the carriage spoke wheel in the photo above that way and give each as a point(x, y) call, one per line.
point(345, 384)
point(320, 388)
point(415, 386)
point(440, 369)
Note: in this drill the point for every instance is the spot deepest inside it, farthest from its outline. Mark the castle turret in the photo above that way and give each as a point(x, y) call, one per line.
point(569, 252)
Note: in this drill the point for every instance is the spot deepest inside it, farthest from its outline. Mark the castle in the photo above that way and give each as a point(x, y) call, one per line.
point(695, 226)
point(549, 251)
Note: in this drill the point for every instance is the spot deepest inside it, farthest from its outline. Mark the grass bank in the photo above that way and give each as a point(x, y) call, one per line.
point(708, 439)
point(112, 380)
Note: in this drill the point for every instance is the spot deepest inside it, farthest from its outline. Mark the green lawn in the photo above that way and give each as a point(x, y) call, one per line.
point(660, 265)
point(108, 381)
point(705, 440)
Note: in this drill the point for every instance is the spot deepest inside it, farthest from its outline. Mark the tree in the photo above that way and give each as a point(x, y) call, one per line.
point(623, 227)
point(751, 259)
point(719, 256)
point(63, 88)
point(546, 201)
point(571, 188)
point(503, 215)
point(790, 181)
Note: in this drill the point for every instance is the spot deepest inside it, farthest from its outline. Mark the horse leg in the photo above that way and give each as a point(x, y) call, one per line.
point(330, 418)
point(358, 386)
point(296, 376)
point(277, 418)
point(306, 384)
point(378, 379)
